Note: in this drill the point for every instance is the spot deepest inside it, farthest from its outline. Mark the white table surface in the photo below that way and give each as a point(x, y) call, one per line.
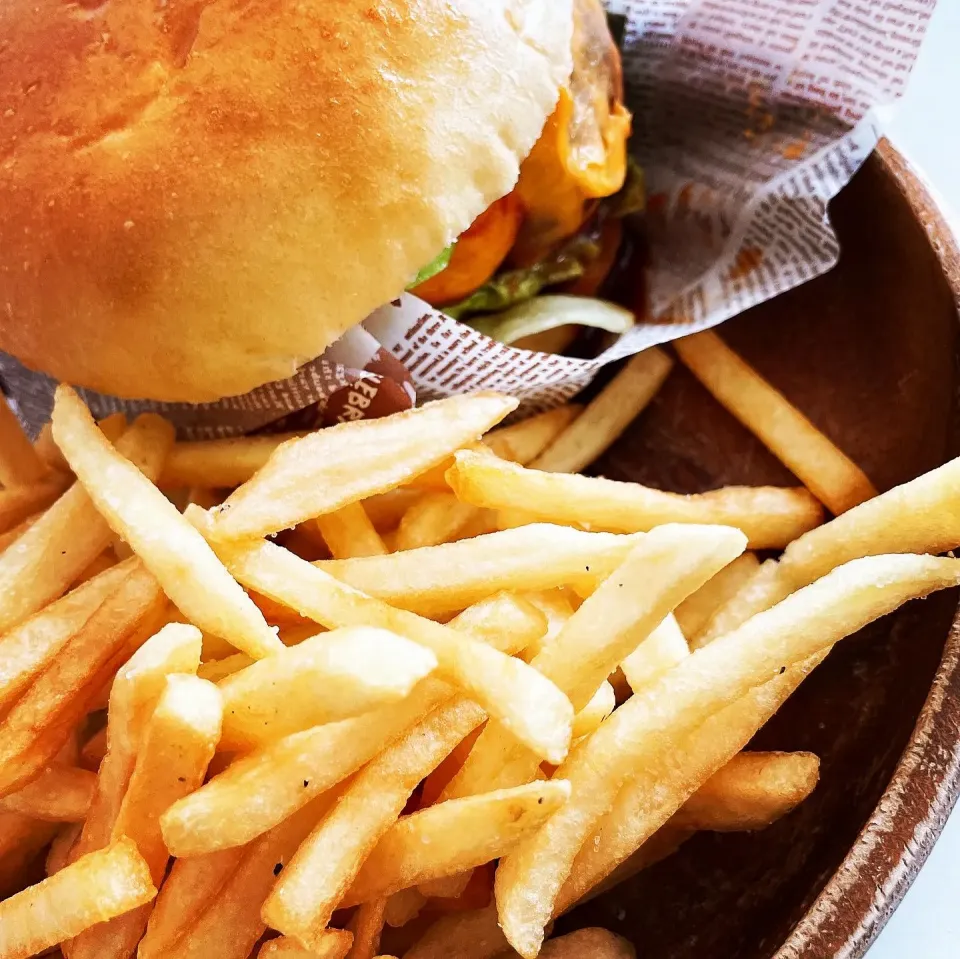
point(925, 126)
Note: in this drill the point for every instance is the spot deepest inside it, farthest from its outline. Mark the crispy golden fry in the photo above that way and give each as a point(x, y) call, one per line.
point(43, 719)
point(595, 712)
point(215, 670)
point(766, 587)
point(332, 468)
point(607, 416)
point(657, 654)
point(442, 579)
point(133, 698)
point(357, 669)
point(309, 889)
point(466, 935)
point(14, 534)
point(529, 705)
point(505, 621)
point(178, 744)
point(366, 924)
point(519, 443)
point(752, 791)
point(93, 750)
point(770, 516)
point(112, 427)
point(694, 613)
point(335, 945)
point(404, 906)
point(348, 532)
point(228, 924)
point(634, 818)
point(593, 942)
point(262, 789)
point(454, 836)
point(59, 794)
point(824, 469)
point(192, 885)
point(437, 517)
point(258, 791)
point(19, 463)
point(22, 839)
point(220, 463)
point(94, 889)
point(29, 648)
point(58, 855)
point(385, 510)
point(189, 571)
point(665, 567)
point(61, 546)
point(529, 880)
point(556, 607)
point(19, 502)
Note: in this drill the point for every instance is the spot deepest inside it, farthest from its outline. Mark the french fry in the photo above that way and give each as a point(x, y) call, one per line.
point(529, 880)
point(634, 818)
point(695, 612)
point(262, 789)
point(94, 889)
point(42, 720)
point(190, 888)
point(358, 669)
point(230, 924)
point(59, 794)
point(93, 750)
point(657, 654)
point(324, 471)
point(595, 712)
point(62, 544)
point(665, 567)
point(58, 854)
point(22, 839)
point(178, 744)
point(752, 791)
point(505, 621)
point(529, 705)
point(17, 503)
point(112, 427)
point(19, 463)
point(454, 836)
point(385, 510)
point(225, 463)
point(348, 532)
point(442, 579)
point(309, 889)
point(437, 517)
point(556, 607)
point(824, 469)
point(404, 906)
point(215, 670)
point(593, 942)
point(770, 516)
point(335, 945)
point(14, 534)
point(170, 547)
point(28, 649)
point(137, 689)
point(466, 935)
point(766, 587)
point(366, 924)
point(607, 416)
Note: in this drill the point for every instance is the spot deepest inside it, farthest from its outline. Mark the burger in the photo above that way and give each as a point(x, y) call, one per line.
point(199, 197)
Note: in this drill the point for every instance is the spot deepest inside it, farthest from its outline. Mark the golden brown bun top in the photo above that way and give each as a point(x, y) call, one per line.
point(198, 197)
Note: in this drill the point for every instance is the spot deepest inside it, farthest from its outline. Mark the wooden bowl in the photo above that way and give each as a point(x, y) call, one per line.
point(869, 353)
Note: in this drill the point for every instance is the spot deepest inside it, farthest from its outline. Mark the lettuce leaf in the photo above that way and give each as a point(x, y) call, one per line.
point(435, 266)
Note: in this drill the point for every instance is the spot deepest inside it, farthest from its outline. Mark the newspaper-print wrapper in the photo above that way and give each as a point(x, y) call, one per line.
point(749, 116)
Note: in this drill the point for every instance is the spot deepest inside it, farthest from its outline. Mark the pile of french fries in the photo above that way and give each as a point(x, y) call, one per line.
point(410, 686)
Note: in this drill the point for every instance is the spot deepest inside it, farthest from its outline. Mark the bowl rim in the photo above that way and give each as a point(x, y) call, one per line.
point(865, 890)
